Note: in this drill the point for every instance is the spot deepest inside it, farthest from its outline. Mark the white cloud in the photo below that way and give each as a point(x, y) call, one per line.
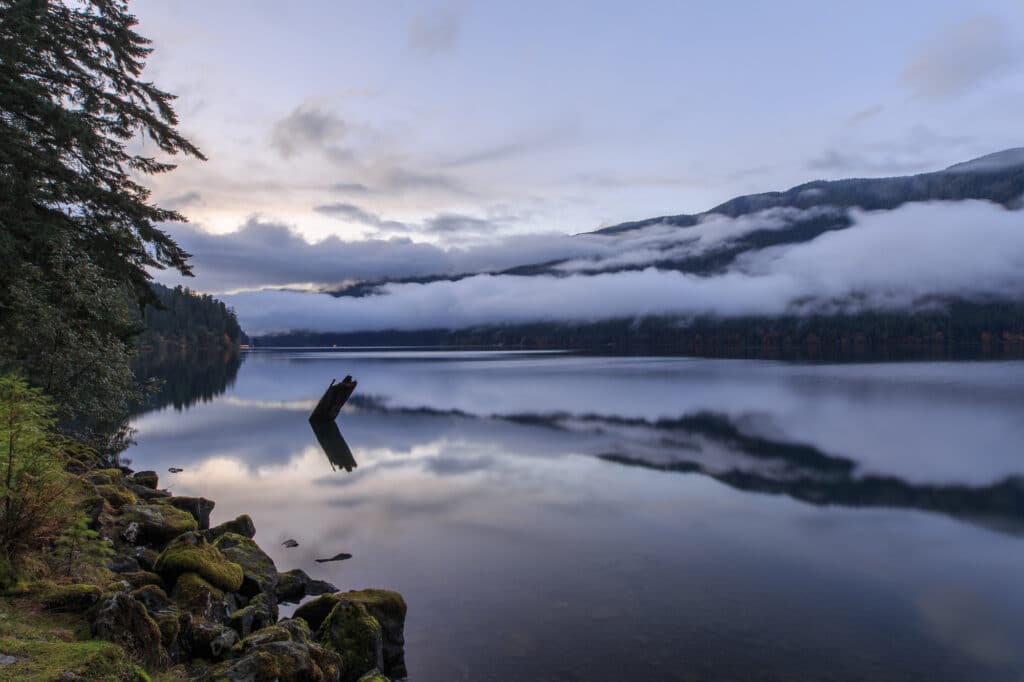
point(888, 260)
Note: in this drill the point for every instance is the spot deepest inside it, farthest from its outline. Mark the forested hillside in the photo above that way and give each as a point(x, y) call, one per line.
point(188, 320)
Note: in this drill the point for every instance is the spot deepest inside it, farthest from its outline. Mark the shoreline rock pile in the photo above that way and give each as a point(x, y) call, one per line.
point(206, 599)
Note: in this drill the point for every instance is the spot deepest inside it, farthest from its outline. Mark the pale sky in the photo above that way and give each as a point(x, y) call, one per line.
point(461, 122)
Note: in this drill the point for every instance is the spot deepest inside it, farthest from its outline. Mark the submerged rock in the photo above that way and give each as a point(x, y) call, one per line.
point(341, 556)
point(290, 543)
point(191, 553)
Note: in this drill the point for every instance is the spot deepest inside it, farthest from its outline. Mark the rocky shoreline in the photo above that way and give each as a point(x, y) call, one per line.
point(188, 601)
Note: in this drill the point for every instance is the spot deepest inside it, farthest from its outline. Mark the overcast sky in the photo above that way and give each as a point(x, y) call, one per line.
point(400, 118)
point(433, 130)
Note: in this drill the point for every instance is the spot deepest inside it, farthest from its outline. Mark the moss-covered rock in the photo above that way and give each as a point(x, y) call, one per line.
point(70, 598)
point(241, 525)
point(194, 595)
point(260, 612)
point(294, 585)
point(374, 676)
point(315, 611)
point(389, 609)
point(122, 620)
point(137, 579)
point(116, 496)
point(272, 633)
point(147, 479)
point(208, 640)
point(351, 631)
point(297, 627)
point(191, 553)
point(104, 476)
point(144, 493)
point(199, 508)
point(169, 624)
point(258, 666)
point(158, 523)
point(153, 598)
point(258, 569)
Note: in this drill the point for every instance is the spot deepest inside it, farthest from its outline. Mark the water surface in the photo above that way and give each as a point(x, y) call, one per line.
point(553, 517)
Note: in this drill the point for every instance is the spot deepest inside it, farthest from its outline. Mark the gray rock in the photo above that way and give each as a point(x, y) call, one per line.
point(131, 533)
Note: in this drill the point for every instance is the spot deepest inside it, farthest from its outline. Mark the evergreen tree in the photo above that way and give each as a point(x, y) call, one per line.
point(77, 230)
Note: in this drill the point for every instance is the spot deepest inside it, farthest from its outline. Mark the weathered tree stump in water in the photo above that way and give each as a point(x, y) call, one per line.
point(333, 399)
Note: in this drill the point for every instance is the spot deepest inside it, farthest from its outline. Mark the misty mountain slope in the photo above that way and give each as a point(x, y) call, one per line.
point(936, 258)
point(708, 243)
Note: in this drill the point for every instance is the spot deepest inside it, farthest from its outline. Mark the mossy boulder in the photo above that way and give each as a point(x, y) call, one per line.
point(116, 496)
point(258, 569)
point(241, 525)
point(194, 595)
point(389, 609)
point(104, 476)
point(297, 627)
point(158, 523)
point(374, 676)
point(147, 479)
point(272, 633)
point(208, 640)
point(315, 611)
point(191, 553)
point(137, 579)
point(197, 507)
point(258, 666)
point(272, 654)
point(260, 612)
point(121, 619)
point(153, 598)
point(351, 631)
point(144, 493)
point(70, 598)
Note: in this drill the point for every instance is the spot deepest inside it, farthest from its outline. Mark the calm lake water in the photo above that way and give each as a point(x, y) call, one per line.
point(552, 517)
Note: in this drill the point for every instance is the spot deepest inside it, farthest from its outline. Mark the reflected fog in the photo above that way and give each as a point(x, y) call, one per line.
point(555, 517)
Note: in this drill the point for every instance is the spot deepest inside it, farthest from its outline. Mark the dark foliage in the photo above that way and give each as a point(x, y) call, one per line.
point(77, 231)
point(188, 320)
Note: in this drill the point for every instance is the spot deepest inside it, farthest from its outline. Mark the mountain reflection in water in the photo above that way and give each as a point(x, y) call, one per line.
point(838, 522)
point(718, 446)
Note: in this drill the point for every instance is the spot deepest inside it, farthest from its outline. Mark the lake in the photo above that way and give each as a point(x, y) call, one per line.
point(560, 517)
